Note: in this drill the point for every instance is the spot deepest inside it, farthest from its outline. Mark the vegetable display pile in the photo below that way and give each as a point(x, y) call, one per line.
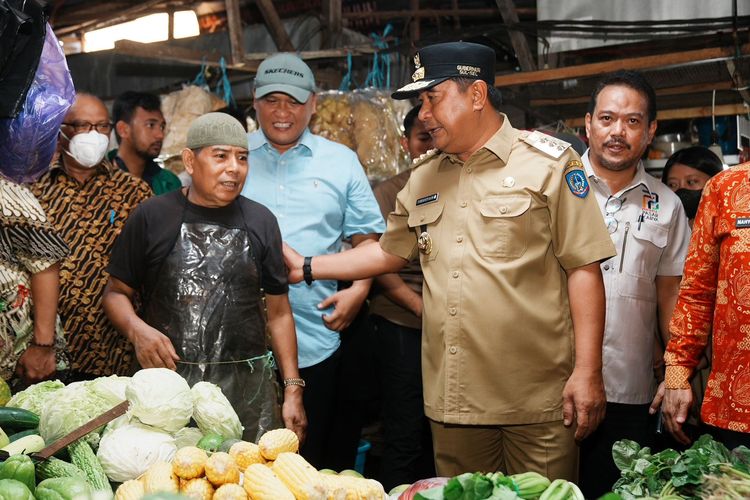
point(495, 486)
point(707, 468)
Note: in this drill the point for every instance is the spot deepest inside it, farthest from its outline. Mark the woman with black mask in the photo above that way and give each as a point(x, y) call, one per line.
point(687, 171)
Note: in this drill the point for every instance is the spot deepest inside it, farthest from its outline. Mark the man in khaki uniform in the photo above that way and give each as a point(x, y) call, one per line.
point(505, 228)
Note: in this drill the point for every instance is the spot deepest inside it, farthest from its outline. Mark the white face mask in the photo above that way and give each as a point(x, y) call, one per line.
point(88, 149)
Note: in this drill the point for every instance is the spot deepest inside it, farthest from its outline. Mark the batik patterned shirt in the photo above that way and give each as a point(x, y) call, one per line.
point(89, 217)
point(715, 300)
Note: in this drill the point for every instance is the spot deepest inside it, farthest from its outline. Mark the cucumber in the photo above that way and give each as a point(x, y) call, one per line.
point(19, 435)
point(18, 418)
point(25, 445)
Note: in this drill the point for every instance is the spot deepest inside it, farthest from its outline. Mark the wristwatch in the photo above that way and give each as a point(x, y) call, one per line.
point(307, 270)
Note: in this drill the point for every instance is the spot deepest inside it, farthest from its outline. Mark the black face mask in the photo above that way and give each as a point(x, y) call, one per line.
point(690, 199)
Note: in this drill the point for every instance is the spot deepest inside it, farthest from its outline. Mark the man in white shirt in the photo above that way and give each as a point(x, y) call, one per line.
point(650, 231)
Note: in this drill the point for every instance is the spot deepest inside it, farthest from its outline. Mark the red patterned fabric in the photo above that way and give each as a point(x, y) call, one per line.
point(715, 299)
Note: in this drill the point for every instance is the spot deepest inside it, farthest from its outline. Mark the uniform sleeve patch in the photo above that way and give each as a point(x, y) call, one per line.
point(577, 182)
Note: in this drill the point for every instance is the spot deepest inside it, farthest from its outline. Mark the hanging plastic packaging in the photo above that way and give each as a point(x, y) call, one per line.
point(27, 142)
point(367, 121)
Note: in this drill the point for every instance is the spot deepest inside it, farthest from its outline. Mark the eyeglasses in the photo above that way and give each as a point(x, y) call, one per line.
point(82, 127)
point(611, 207)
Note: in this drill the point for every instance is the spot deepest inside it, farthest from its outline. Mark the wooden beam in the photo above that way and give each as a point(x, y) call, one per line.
point(414, 23)
point(234, 23)
point(683, 113)
point(176, 54)
point(333, 20)
point(594, 69)
point(517, 39)
point(275, 26)
point(359, 50)
point(682, 89)
point(122, 16)
point(429, 13)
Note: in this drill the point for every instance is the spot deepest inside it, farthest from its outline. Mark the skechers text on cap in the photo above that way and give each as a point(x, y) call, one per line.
point(437, 63)
point(285, 73)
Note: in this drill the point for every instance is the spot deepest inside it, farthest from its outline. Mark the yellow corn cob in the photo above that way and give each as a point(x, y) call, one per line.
point(278, 441)
point(189, 462)
point(352, 488)
point(230, 491)
point(222, 469)
point(130, 490)
point(299, 476)
point(199, 489)
point(160, 478)
point(245, 454)
point(261, 483)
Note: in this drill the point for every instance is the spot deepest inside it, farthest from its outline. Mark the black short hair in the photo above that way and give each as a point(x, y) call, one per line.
point(494, 96)
point(410, 118)
point(632, 79)
point(125, 104)
point(697, 157)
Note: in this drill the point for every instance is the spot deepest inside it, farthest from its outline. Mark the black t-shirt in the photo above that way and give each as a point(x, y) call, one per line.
point(154, 226)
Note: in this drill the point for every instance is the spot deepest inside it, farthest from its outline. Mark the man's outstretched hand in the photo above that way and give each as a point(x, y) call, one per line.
point(293, 261)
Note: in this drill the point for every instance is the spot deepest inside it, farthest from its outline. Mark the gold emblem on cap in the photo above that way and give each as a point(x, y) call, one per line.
point(417, 63)
point(424, 243)
point(418, 75)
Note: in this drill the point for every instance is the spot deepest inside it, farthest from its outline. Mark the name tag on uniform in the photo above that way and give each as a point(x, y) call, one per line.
point(427, 199)
point(742, 223)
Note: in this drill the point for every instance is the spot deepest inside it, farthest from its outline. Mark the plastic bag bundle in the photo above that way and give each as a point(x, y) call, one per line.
point(28, 141)
point(367, 122)
point(180, 108)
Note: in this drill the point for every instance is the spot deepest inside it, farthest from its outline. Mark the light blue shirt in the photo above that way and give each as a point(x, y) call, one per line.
point(320, 195)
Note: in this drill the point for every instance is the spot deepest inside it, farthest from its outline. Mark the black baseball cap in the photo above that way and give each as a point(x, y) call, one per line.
point(436, 63)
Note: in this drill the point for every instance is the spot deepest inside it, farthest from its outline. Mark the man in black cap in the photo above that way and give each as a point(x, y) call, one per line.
point(504, 228)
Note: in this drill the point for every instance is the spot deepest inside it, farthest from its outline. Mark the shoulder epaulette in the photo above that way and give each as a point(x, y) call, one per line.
point(546, 143)
point(423, 158)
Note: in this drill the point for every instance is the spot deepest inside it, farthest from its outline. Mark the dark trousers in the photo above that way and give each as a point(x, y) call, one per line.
point(407, 446)
point(337, 394)
point(597, 471)
point(318, 398)
point(730, 439)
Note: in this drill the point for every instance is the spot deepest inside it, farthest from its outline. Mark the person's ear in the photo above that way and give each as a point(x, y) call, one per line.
point(188, 159)
point(587, 124)
point(122, 129)
point(478, 95)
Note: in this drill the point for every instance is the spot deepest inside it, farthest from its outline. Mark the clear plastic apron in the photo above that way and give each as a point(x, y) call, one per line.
point(208, 301)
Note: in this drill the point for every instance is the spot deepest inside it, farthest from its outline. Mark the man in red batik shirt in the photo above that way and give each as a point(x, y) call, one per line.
point(714, 304)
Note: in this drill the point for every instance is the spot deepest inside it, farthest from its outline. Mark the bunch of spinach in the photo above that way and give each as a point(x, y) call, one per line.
point(669, 472)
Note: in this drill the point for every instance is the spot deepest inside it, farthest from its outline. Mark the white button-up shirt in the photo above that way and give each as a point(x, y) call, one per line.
point(651, 239)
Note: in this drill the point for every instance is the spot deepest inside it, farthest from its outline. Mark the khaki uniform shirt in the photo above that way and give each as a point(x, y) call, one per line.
point(497, 343)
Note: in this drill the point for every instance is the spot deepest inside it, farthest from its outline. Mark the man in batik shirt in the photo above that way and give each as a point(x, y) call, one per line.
point(714, 303)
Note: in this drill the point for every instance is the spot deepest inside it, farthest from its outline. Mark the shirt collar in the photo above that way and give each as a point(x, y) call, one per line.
point(257, 139)
point(149, 171)
point(638, 179)
point(499, 144)
point(105, 167)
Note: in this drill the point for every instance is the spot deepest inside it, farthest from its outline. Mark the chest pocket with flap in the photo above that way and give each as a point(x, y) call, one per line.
point(505, 224)
point(427, 217)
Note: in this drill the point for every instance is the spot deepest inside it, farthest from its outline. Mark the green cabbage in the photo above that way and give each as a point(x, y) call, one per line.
point(129, 450)
point(69, 408)
point(33, 397)
point(111, 388)
point(187, 436)
point(160, 398)
point(213, 412)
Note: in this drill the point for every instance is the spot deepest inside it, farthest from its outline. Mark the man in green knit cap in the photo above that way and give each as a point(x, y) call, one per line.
point(204, 260)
